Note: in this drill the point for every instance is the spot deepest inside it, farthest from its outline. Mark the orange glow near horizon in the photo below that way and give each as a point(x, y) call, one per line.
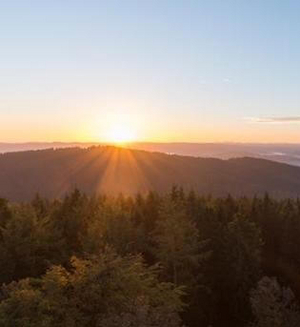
point(120, 134)
point(115, 128)
point(122, 129)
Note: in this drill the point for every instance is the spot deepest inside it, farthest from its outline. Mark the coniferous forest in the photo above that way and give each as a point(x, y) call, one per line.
point(149, 163)
point(178, 259)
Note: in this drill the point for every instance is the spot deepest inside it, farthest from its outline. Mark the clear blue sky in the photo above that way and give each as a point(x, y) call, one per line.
point(214, 70)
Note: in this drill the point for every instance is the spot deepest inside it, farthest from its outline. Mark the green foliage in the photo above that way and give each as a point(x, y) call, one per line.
point(26, 245)
point(178, 245)
point(5, 212)
point(215, 249)
point(274, 305)
point(243, 253)
point(101, 291)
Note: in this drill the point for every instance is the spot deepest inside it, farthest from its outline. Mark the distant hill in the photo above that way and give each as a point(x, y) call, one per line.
point(18, 147)
point(285, 153)
point(52, 173)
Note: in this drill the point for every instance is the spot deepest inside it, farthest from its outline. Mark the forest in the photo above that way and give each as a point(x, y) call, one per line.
point(174, 259)
point(112, 170)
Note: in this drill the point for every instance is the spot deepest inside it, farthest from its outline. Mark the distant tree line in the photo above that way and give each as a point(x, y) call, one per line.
point(178, 259)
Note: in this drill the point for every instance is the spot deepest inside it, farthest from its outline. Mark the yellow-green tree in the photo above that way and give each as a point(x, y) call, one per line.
point(106, 290)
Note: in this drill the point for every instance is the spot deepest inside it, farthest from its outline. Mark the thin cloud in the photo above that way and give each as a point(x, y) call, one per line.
point(275, 120)
point(226, 80)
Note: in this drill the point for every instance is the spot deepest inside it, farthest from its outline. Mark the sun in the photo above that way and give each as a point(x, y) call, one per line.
point(121, 134)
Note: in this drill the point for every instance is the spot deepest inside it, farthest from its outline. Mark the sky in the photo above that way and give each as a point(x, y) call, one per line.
point(150, 70)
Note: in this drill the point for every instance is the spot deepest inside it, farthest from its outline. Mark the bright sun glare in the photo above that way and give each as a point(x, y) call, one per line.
point(121, 134)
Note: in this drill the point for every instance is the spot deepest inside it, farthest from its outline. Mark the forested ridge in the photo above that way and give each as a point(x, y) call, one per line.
point(53, 173)
point(178, 259)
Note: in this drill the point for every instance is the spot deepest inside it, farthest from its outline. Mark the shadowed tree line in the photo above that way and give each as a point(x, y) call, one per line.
point(178, 259)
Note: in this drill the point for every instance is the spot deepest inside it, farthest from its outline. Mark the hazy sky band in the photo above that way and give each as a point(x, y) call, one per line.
point(175, 70)
point(280, 120)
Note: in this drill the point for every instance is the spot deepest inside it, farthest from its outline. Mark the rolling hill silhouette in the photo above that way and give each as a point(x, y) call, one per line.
point(112, 170)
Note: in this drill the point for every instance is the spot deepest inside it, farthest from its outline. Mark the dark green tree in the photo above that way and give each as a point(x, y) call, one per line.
point(106, 290)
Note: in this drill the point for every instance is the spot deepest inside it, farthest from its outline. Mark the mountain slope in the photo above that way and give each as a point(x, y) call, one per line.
point(284, 153)
point(52, 173)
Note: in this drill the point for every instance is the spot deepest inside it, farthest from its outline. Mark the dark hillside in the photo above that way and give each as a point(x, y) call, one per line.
point(52, 173)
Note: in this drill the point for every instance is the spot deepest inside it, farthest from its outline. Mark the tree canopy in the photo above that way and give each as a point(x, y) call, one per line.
point(149, 260)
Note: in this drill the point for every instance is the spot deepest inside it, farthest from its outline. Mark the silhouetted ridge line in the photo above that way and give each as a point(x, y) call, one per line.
point(112, 170)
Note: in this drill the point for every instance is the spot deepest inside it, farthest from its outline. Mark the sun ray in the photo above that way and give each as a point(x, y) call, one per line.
point(122, 173)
